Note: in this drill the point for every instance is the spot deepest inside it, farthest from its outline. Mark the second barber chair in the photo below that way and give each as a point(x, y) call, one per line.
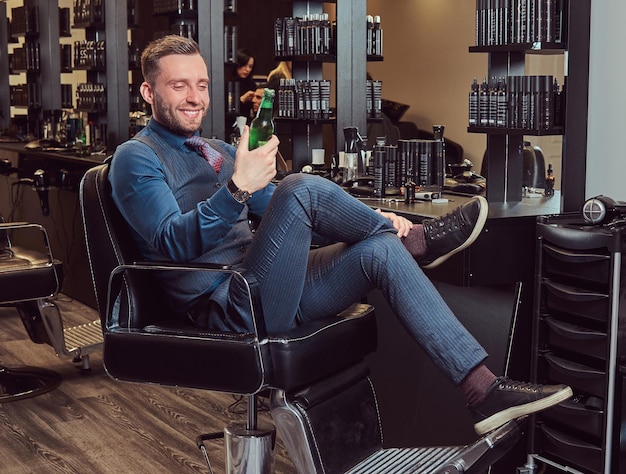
point(29, 279)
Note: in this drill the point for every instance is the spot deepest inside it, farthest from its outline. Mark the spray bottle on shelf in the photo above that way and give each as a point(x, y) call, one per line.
point(549, 189)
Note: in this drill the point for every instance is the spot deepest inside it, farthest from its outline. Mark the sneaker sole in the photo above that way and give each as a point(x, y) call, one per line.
point(480, 223)
point(498, 419)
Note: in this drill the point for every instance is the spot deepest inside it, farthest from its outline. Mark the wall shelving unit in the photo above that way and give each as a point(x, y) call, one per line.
point(505, 146)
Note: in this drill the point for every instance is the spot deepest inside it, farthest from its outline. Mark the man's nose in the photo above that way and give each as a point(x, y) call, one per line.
point(195, 95)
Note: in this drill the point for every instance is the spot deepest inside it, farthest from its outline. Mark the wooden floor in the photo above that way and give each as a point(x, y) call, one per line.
point(93, 424)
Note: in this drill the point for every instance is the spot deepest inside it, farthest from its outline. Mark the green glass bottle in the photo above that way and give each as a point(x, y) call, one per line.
point(262, 127)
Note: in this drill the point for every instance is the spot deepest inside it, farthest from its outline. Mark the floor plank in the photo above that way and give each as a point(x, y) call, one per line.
point(93, 424)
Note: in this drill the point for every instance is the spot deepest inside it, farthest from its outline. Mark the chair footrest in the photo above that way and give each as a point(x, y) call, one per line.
point(402, 460)
point(84, 336)
point(473, 458)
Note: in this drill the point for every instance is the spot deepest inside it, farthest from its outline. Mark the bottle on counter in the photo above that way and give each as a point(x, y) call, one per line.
point(549, 189)
point(473, 104)
point(352, 153)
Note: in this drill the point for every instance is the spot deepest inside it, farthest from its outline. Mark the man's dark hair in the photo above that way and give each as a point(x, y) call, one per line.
point(161, 47)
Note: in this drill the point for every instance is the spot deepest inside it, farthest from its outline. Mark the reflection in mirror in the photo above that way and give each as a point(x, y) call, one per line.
point(427, 65)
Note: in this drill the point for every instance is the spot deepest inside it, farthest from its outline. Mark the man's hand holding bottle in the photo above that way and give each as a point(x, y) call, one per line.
point(255, 169)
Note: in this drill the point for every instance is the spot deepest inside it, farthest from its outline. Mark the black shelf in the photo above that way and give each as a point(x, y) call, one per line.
point(516, 131)
point(536, 47)
point(178, 15)
point(321, 58)
point(90, 68)
point(88, 25)
point(311, 58)
point(29, 71)
point(330, 120)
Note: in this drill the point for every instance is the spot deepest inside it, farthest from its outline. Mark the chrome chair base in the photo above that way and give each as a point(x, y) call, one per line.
point(18, 383)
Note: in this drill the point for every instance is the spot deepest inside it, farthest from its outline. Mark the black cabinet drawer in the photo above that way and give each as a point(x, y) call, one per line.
point(569, 299)
point(578, 264)
point(575, 414)
point(574, 452)
point(581, 378)
point(574, 338)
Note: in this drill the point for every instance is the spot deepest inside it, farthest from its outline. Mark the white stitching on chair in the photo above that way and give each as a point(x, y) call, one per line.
point(109, 234)
point(308, 422)
point(359, 308)
point(380, 422)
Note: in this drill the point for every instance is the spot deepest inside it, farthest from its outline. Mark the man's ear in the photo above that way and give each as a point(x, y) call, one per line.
point(146, 92)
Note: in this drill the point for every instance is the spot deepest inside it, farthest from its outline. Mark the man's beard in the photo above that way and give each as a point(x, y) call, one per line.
point(172, 121)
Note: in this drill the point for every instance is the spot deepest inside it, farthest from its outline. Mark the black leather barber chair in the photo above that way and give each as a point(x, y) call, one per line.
point(322, 400)
point(29, 278)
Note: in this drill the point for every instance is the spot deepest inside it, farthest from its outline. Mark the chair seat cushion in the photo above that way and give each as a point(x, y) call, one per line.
point(175, 353)
point(27, 274)
point(318, 349)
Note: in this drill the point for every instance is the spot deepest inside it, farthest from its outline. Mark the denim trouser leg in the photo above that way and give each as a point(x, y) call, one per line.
point(299, 283)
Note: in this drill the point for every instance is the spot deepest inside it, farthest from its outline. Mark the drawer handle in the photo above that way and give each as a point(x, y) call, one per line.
point(571, 331)
point(573, 294)
point(570, 441)
point(573, 257)
point(569, 366)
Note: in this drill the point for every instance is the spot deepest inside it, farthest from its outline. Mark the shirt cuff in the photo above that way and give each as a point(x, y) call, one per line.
point(224, 203)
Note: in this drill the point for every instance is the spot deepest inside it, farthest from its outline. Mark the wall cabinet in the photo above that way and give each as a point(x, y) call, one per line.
point(507, 50)
point(578, 340)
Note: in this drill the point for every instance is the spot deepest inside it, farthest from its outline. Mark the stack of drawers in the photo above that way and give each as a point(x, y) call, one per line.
point(577, 341)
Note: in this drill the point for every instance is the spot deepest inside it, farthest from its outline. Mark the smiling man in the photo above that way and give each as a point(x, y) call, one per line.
point(187, 199)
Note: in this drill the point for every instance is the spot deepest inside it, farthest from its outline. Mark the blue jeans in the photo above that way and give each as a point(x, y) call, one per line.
point(299, 284)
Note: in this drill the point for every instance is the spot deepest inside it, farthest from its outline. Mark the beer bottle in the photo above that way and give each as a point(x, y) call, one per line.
point(262, 127)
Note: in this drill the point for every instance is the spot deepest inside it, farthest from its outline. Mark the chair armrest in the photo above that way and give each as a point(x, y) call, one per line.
point(5, 227)
point(10, 225)
point(185, 266)
point(250, 282)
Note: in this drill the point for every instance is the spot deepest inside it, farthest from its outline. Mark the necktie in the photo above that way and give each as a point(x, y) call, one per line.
point(209, 154)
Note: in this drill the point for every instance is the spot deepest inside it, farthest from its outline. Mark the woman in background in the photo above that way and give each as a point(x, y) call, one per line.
point(242, 73)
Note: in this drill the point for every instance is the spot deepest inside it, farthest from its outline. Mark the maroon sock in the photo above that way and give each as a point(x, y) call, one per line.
point(415, 242)
point(475, 384)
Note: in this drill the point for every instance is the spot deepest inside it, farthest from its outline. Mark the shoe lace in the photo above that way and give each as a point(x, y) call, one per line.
point(508, 384)
point(450, 221)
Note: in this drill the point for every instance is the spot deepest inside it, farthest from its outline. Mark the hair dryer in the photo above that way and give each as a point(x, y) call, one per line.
point(602, 210)
point(41, 182)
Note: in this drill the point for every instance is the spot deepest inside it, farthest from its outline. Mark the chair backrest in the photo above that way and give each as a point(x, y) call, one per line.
point(143, 340)
point(109, 244)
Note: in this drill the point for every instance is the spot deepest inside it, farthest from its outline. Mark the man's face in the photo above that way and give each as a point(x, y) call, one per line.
point(180, 95)
point(257, 98)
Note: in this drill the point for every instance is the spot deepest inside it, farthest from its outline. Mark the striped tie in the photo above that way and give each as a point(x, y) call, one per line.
point(212, 156)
